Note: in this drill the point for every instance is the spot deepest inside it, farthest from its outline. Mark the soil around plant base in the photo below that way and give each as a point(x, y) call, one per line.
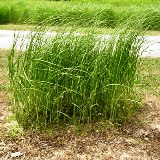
point(135, 142)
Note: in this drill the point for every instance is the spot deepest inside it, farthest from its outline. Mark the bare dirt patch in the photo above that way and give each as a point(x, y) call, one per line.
point(136, 142)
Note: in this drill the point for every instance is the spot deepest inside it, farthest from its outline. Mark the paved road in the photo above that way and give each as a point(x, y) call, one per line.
point(151, 45)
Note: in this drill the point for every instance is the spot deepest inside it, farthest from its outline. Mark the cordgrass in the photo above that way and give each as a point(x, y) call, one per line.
point(148, 82)
point(108, 14)
point(74, 78)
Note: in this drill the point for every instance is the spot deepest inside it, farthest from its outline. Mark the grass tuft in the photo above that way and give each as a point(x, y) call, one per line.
point(75, 78)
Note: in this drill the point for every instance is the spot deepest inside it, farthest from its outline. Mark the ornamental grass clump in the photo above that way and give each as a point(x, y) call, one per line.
point(74, 78)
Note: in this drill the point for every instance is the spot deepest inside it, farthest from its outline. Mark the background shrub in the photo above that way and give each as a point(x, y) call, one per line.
point(106, 18)
point(105, 13)
point(4, 15)
point(152, 19)
point(20, 12)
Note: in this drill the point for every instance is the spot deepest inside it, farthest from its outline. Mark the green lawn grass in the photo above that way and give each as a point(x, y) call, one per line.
point(97, 30)
point(150, 76)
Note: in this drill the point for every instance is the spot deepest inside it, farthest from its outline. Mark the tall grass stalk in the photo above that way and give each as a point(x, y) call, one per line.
point(75, 78)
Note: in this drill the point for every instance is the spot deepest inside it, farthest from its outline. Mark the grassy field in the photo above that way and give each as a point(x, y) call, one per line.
point(81, 13)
